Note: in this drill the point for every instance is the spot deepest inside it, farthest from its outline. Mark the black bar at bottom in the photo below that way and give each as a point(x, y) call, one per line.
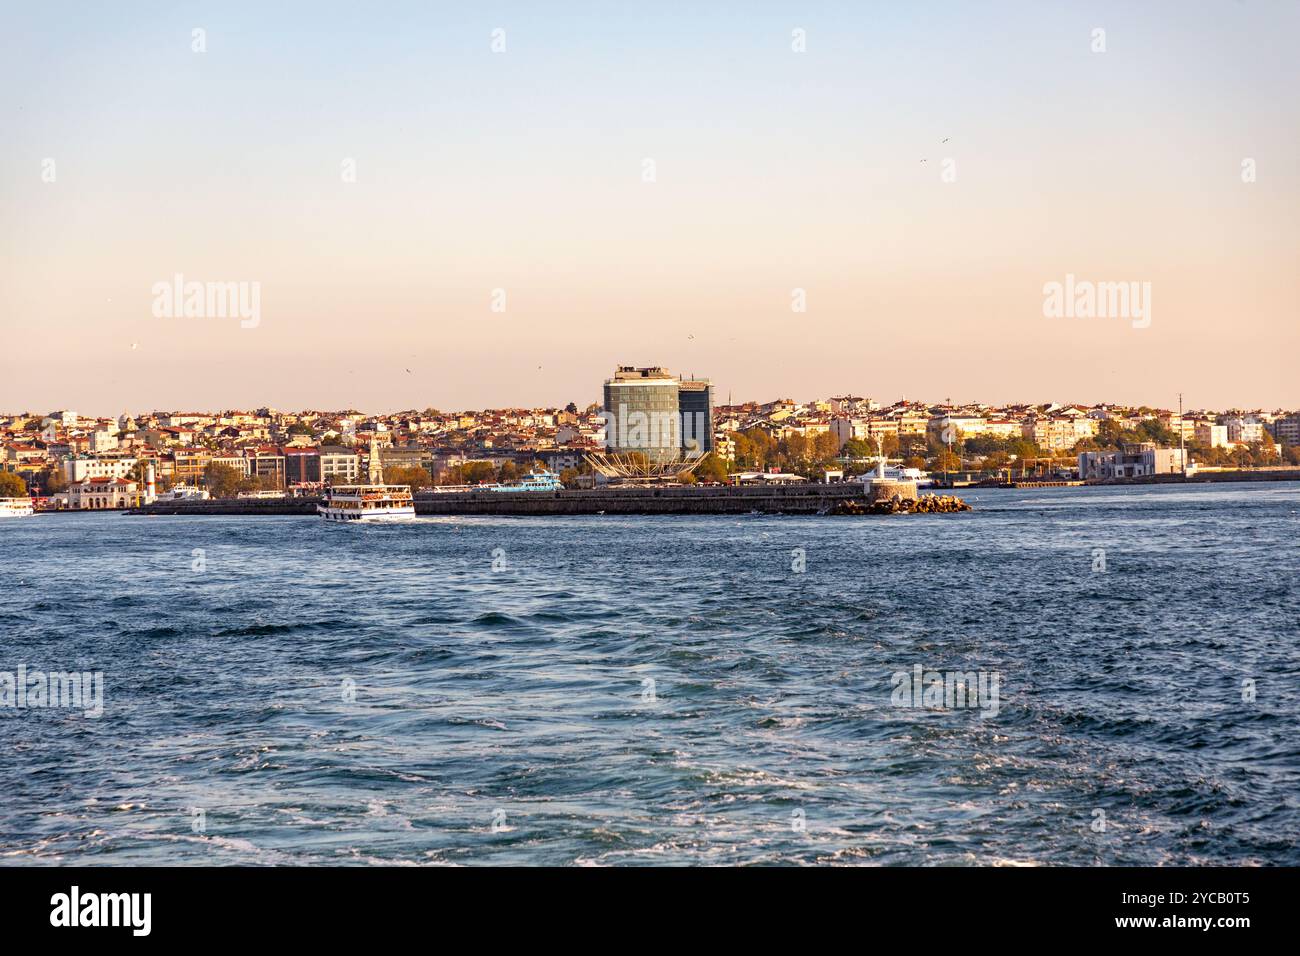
point(333, 906)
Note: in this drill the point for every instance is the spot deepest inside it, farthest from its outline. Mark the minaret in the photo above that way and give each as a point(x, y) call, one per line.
point(376, 466)
point(1182, 437)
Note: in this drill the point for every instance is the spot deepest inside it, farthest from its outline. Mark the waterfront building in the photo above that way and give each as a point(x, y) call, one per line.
point(1131, 461)
point(266, 462)
point(301, 465)
point(189, 464)
point(642, 414)
point(95, 494)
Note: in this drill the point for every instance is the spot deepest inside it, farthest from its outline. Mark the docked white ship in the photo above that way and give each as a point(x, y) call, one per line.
point(16, 507)
point(373, 502)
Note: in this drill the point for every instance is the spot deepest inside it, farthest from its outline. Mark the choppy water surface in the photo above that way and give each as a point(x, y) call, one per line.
point(508, 716)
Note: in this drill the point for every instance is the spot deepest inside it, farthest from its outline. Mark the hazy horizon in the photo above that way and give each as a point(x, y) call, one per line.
point(523, 170)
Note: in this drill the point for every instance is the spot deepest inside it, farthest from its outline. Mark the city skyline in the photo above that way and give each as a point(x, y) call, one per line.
point(668, 184)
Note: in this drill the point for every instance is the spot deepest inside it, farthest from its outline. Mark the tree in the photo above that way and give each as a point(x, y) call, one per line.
point(856, 448)
point(508, 471)
point(712, 468)
point(946, 461)
point(53, 481)
point(825, 446)
point(12, 486)
point(411, 475)
point(475, 471)
point(222, 481)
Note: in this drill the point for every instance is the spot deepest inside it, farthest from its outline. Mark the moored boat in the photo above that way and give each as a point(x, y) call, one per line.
point(533, 481)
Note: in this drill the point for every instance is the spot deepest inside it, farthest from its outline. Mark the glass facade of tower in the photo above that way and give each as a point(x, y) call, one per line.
point(642, 414)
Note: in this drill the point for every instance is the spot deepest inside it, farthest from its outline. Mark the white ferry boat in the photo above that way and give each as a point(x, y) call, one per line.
point(367, 503)
point(16, 507)
point(373, 502)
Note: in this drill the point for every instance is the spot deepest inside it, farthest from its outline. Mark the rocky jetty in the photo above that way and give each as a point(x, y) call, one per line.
point(899, 505)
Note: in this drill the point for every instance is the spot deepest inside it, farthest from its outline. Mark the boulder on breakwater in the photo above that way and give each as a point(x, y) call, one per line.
point(899, 505)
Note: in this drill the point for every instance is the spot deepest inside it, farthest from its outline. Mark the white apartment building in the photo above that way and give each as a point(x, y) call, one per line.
point(1059, 434)
point(1214, 436)
point(79, 469)
point(1245, 429)
point(338, 466)
point(101, 439)
point(864, 429)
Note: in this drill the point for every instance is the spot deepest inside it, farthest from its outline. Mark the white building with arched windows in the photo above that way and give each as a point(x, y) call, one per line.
point(95, 494)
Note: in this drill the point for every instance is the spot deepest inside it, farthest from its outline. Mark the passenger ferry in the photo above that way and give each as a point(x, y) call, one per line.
point(533, 481)
point(373, 502)
point(16, 507)
point(367, 503)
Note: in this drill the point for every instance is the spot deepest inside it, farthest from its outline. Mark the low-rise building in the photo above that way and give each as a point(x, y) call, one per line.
point(95, 494)
point(1131, 461)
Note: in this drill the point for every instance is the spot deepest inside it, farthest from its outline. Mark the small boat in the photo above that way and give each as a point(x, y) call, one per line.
point(367, 503)
point(16, 507)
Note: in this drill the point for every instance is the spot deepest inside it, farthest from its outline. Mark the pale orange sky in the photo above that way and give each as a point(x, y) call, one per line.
point(523, 170)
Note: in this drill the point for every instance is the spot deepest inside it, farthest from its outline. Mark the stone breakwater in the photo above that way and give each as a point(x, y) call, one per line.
point(794, 499)
point(898, 505)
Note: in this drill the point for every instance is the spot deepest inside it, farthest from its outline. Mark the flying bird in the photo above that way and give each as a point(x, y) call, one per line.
point(946, 138)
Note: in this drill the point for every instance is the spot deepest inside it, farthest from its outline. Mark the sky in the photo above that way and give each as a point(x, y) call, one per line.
point(429, 221)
